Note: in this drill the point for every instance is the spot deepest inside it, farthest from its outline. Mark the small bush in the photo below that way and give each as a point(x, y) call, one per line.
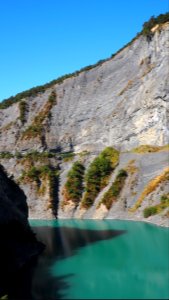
point(18, 155)
point(165, 198)
point(150, 211)
point(6, 155)
point(53, 98)
point(122, 173)
point(23, 110)
point(67, 156)
point(153, 210)
point(35, 156)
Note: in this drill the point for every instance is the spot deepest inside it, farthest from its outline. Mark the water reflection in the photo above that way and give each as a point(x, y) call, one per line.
point(61, 243)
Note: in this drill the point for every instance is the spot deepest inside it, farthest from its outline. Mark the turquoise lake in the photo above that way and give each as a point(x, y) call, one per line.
point(88, 259)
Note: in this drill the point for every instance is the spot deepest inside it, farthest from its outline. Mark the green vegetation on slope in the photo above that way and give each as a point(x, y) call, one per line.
point(23, 110)
point(112, 194)
point(67, 156)
point(36, 128)
point(98, 174)
point(45, 177)
point(156, 209)
point(147, 26)
point(146, 31)
point(73, 188)
point(32, 155)
point(35, 155)
point(35, 173)
point(6, 155)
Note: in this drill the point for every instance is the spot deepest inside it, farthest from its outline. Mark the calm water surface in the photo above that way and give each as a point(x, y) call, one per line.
point(101, 260)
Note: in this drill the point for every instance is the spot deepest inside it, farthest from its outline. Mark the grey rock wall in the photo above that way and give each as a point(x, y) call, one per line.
point(122, 102)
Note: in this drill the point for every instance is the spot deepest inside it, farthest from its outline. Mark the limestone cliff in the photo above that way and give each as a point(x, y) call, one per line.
point(122, 102)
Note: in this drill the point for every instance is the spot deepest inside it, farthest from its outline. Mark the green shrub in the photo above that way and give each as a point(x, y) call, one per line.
point(53, 98)
point(38, 174)
point(18, 155)
point(67, 156)
point(147, 26)
point(6, 154)
point(150, 211)
point(98, 174)
point(122, 173)
point(33, 131)
point(153, 210)
point(34, 173)
point(165, 199)
point(112, 194)
point(23, 110)
point(74, 184)
point(38, 156)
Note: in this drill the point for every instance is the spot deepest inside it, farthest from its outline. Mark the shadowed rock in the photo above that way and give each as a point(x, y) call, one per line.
point(18, 243)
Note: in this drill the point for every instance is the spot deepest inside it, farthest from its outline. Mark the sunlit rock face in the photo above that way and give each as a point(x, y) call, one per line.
point(122, 102)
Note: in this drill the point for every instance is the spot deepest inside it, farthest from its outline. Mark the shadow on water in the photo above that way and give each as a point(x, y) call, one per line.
point(61, 243)
point(35, 280)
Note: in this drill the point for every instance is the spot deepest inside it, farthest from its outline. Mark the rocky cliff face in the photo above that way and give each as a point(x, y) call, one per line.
point(18, 243)
point(122, 103)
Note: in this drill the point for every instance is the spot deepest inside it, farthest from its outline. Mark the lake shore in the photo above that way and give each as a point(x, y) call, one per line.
point(157, 222)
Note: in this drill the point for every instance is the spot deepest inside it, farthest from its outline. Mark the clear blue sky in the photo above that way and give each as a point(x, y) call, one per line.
point(43, 39)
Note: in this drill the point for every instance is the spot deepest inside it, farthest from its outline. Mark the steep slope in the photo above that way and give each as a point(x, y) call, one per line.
point(146, 183)
point(121, 102)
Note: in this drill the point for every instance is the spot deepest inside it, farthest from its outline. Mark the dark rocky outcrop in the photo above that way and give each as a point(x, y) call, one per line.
point(19, 246)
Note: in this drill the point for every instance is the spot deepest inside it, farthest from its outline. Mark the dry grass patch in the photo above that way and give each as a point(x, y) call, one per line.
point(148, 70)
point(149, 148)
point(128, 86)
point(7, 127)
point(152, 185)
point(131, 168)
